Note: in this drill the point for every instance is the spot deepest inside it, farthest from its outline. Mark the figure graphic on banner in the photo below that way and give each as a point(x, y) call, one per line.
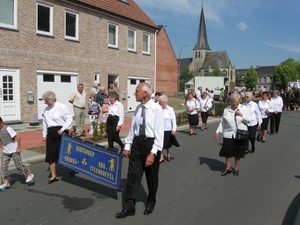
point(112, 165)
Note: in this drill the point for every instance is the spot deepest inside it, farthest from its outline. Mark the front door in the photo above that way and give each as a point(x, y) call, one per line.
point(9, 94)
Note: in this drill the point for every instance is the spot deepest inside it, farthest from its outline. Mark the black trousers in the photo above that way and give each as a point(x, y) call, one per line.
point(112, 134)
point(275, 121)
point(252, 133)
point(139, 151)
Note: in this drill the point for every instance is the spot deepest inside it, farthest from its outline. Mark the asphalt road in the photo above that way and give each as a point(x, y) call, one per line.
point(191, 190)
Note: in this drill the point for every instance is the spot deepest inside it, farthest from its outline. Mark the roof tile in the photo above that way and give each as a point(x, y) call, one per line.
point(129, 10)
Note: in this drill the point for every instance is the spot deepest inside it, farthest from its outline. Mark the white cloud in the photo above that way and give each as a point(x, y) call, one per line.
point(289, 48)
point(242, 26)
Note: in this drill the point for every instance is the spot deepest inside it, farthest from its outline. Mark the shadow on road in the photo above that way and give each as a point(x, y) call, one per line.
point(291, 212)
point(214, 165)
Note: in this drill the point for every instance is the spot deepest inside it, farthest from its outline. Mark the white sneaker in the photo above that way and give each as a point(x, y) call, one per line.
point(29, 178)
point(3, 186)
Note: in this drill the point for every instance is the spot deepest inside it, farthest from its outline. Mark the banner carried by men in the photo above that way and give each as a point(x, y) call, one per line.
point(92, 160)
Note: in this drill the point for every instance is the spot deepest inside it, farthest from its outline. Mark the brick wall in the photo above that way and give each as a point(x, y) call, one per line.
point(30, 52)
point(166, 65)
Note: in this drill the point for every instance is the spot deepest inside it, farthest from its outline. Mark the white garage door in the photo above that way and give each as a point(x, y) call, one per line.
point(61, 83)
point(132, 82)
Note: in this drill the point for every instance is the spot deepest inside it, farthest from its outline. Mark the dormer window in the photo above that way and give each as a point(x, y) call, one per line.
point(125, 1)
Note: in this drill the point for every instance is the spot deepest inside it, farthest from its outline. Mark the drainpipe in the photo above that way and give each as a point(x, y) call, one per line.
point(154, 86)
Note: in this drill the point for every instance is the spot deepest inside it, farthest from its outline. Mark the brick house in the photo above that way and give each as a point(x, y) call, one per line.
point(56, 44)
point(166, 64)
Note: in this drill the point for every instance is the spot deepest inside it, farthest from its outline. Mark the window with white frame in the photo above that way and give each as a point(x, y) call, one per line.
point(146, 43)
point(131, 40)
point(113, 35)
point(44, 19)
point(71, 25)
point(8, 14)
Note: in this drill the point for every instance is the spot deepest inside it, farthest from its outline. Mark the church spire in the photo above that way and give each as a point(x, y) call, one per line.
point(202, 43)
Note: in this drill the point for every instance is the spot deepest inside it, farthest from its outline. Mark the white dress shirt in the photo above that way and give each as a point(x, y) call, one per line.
point(254, 113)
point(58, 115)
point(170, 119)
point(191, 104)
point(205, 102)
point(263, 106)
point(154, 117)
point(117, 109)
point(276, 104)
point(227, 124)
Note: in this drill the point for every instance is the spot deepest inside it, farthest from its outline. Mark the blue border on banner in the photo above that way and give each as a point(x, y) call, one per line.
point(92, 160)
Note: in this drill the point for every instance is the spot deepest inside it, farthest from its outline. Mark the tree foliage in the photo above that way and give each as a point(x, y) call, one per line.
point(185, 76)
point(251, 78)
point(216, 72)
point(287, 71)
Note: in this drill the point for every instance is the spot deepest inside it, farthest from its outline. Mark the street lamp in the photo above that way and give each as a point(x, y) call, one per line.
point(179, 68)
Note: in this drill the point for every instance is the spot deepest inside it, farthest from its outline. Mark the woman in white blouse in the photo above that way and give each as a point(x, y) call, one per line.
point(234, 116)
point(276, 105)
point(169, 126)
point(255, 119)
point(192, 107)
point(264, 106)
point(205, 105)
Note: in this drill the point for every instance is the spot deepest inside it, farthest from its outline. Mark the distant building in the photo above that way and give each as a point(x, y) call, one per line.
point(264, 82)
point(205, 61)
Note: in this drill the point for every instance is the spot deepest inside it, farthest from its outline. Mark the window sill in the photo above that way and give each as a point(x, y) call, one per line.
point(131, 51)
point(45, 35)
point(112, 47)
point(146, 54)
point(9, 28)
point(73, 40)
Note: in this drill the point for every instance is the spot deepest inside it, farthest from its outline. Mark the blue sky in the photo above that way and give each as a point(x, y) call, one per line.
point(253, 32)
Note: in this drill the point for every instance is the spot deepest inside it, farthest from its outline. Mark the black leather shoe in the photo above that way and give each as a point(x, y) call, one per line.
point(253, 149)
point(125, 212)
point(148, 211)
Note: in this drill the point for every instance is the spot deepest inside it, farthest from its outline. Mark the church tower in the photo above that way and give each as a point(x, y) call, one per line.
point(201, 47)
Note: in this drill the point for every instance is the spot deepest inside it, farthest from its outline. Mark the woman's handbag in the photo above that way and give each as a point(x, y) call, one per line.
point(241, 134)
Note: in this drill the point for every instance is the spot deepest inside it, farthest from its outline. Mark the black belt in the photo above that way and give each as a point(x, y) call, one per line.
point(79, 107)
point(111, 115)
point(143, 138)
point(55, 127)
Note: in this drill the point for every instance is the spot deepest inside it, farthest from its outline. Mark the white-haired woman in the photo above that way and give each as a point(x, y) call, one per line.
point(235, 116)
point(57, 119)
point(169, 126)
point(256, 119)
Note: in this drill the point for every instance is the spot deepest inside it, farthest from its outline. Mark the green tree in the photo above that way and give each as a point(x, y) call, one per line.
point(251, 78)
point(185, 76)
point(286, 72)
point(216, 72)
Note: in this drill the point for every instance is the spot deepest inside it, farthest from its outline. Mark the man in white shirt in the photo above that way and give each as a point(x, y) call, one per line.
point(143, 147)
point(78, 99)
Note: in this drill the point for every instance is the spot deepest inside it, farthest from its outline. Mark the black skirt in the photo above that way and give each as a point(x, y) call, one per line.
point(167, 143)
point(265, 122)
point(233, 148)
point(193, 119)
point(53, 144)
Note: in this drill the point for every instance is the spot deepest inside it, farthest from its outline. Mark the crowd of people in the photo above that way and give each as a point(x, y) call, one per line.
point(152, 130)
point(250, 117)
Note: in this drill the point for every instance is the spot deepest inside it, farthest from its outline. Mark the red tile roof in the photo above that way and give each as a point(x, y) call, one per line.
point(129, 10)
